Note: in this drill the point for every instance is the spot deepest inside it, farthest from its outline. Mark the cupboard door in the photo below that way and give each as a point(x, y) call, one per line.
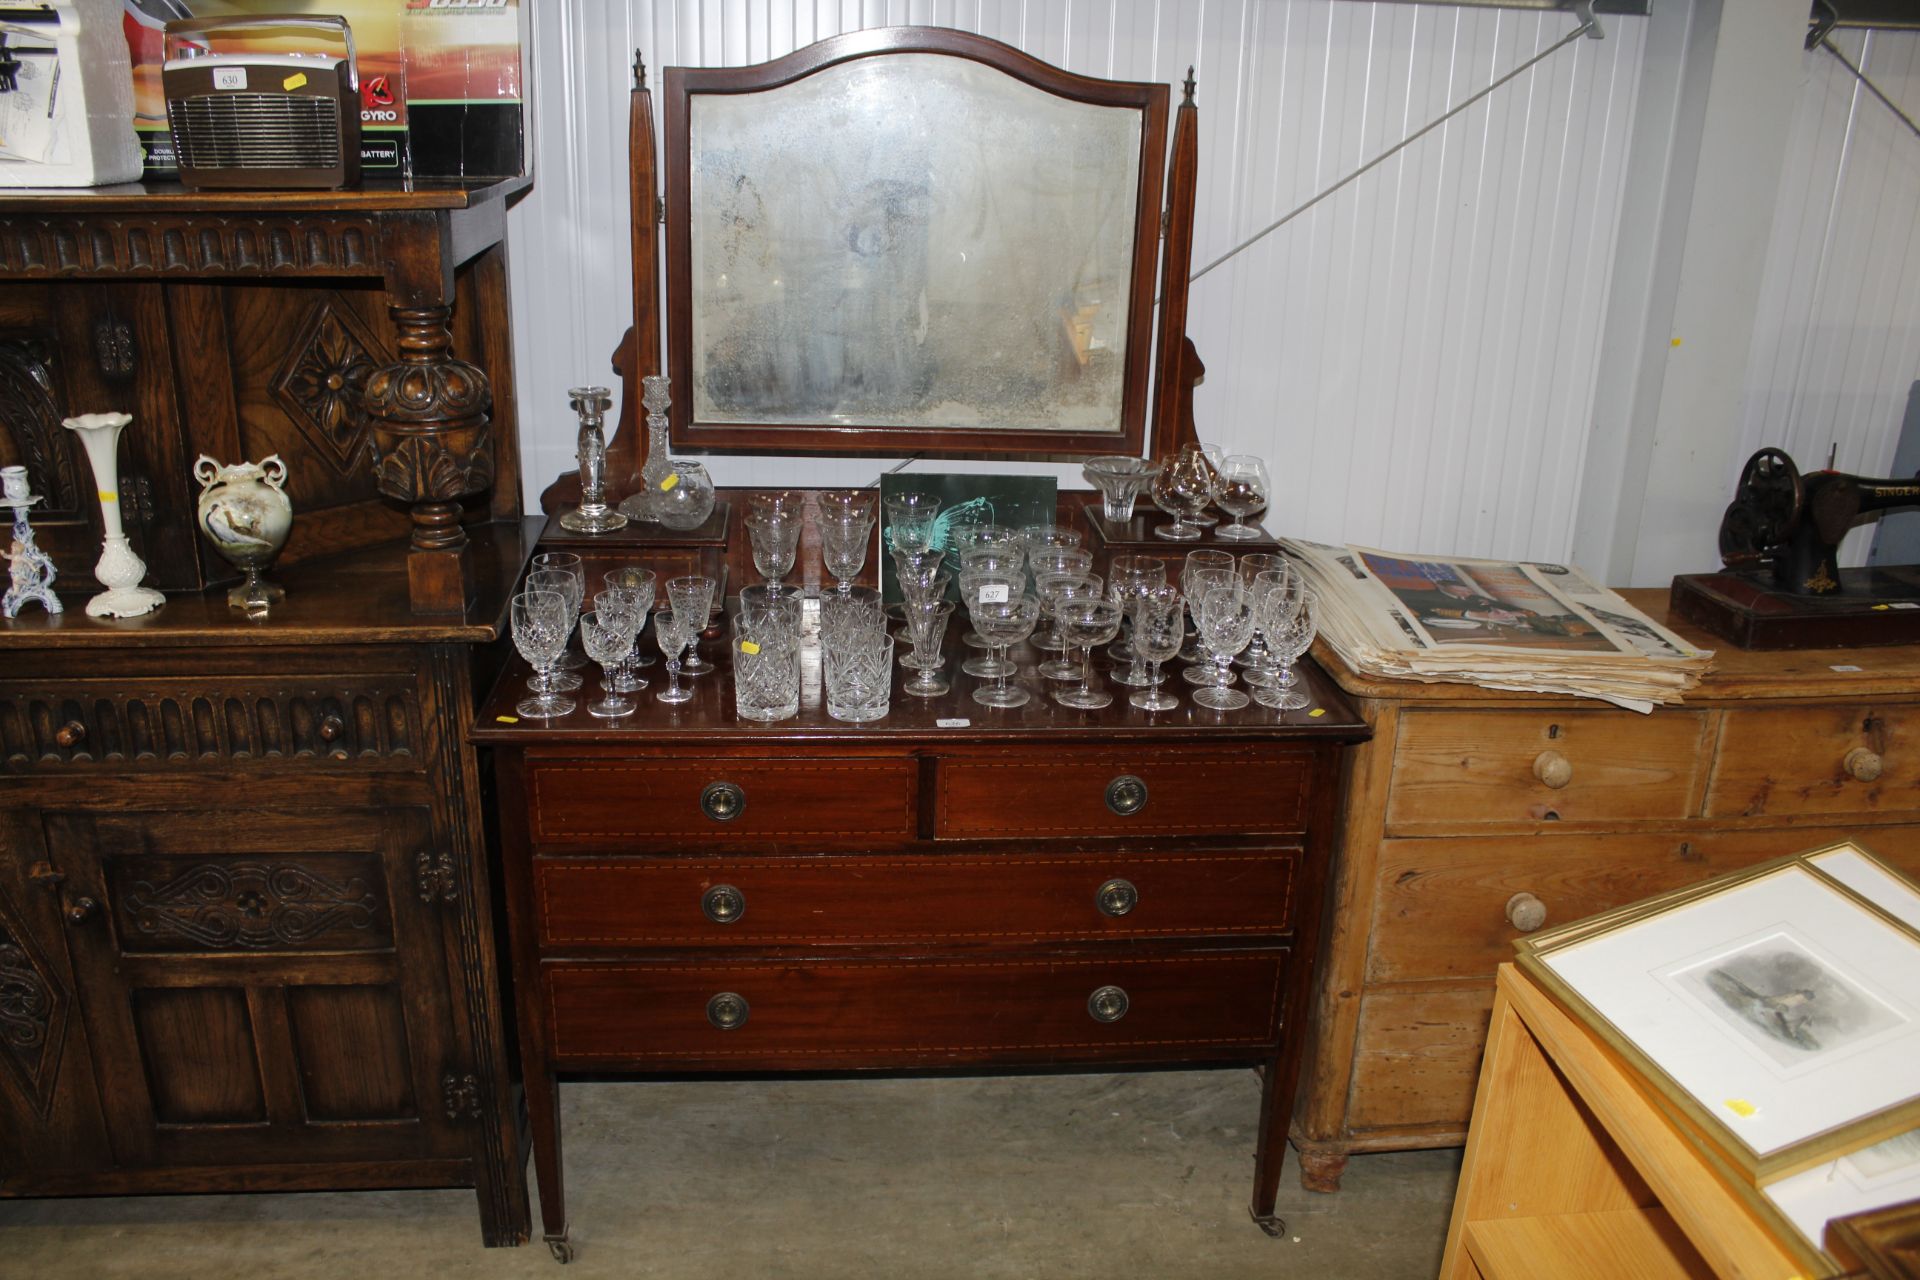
point(260, 987)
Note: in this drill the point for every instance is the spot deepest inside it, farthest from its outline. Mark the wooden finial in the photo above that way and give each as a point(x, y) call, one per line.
point(1188, 100)
point(639, 70)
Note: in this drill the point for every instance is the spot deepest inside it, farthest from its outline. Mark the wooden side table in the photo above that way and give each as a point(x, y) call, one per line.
point(1572, 1170)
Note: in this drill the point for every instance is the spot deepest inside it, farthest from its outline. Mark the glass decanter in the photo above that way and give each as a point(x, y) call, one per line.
point(644, 504)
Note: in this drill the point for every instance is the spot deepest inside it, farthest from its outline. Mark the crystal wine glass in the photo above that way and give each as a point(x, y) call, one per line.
point(927, 630)
point(1226, 624)
point(607, 641)
point(1290, 637)
point(564, 562)
point(635, 578)
point(674, 631)
point(1061, 591)
point(1196, 561)
point(631, 609)
point(1257, 661)
point(1088, 623)
point(1004, 624)
point(540, 626)
point(1159, 629)
point(843, 546)
point(692, 597)
point(776, 541)
point(1245, 488)
point(1127, 577)
point(986, 589)
point(910, 518)
point(568, 587)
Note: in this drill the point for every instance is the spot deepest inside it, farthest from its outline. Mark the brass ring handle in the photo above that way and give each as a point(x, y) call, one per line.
point(330, 728)
point(71, 734)
point(722, 801)
point(1126, 795)
point(723, 904)
point(1553, 769)
point(1526, 912)
point(80, 910)
point(1107, 1004)
point(1861, 764)
point(1116, 897)
point(728, 1010)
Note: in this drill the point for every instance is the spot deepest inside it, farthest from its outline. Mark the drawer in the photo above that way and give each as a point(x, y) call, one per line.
point(1032, 1009)
point(1481, 768)
point(145, 722)
point(854, 901)
point(681, 801)
point(1441, 907)
point(1199, 792)
point(1416, 1059)
point(1817, 760)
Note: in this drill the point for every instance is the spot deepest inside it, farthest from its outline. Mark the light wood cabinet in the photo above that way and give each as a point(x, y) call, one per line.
point(1473, 814)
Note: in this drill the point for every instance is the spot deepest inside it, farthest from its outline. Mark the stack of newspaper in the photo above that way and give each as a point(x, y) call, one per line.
point(1534, 628)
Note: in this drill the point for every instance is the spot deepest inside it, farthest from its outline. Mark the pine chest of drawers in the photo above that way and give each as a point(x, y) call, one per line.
point(1474, 815)
point(951, 887)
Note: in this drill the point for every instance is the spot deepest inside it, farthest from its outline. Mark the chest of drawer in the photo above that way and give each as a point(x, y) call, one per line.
point(914, 1012)
point(685, 802)
point(1094, 793)
point(1525, 767)
point(984, 900)
point(1816, 760)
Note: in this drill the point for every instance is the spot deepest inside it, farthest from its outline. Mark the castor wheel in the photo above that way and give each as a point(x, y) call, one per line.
point(1272, 1224)
point(561, 1248)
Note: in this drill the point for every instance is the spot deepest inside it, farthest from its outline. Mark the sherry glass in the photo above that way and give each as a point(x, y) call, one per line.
point(926, 631)
point(1063, 590)
point(635, 578)
point(776, 541)
point(1119, 479)
point(673, 632)
point(608, 642)
point(1004, 624)
point(986, 589)
point(1159, 629)
point(631, 607)
point(1184, 489)
point(692, 596)
point(1087, 622)
point(1245, 488)
point(540, 627)
point(569, 588)
point(910, 519)
point(1290, 637)
point(1226, 624)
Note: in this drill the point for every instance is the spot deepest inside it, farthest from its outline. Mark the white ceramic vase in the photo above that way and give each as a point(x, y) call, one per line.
point(119, 569)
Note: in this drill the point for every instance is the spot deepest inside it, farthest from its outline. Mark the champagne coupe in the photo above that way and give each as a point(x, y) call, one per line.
point(631, 608)
point(1245, 488)
point(1159, 629)
point(1039, 537)
point(926, 630)
point(966, 538)
point(776, 541)
point(674, 631)
point(1051, 560)
point(1061, 591)
point(910, 518)
point(1226, 624)
point(1290, 637)
point(607, 641)
point(1087, 622)
point(634, 578)
point(540, 625)
point(986, 589)
point(1183, 490)
point(565, 585)
point(1119, 479)
point(1004, 624)
point(692, 597)
point(989, 560)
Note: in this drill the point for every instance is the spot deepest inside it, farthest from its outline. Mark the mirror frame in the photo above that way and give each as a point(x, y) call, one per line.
point(682, 83)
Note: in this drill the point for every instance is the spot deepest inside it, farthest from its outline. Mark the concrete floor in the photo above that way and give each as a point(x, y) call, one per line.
point(1137, 1175)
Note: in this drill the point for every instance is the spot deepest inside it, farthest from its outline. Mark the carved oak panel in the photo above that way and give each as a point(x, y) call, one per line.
point(250, 902)
point(150, 245)
point(33, 1016)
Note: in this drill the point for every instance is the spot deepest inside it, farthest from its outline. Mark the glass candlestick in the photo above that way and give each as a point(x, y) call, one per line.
point(656, 474)
point(593, 515)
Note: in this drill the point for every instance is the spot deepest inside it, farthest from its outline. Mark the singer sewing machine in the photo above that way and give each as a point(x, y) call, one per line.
point(1783, 587)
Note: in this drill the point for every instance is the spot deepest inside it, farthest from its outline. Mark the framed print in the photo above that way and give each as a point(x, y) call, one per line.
point(1873, 1177)
point(998, 498)
point(1776, 1008)
point(1867, 876)
point(911, 238)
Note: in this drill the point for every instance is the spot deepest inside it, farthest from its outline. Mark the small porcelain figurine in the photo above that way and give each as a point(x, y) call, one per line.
point(245, 513)
point(30, 570)
point(119, 569)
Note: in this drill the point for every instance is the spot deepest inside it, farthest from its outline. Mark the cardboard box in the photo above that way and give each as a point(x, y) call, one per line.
point(441, 81)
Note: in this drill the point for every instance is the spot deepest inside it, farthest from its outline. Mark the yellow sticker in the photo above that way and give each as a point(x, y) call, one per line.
point(508, 719)
point(1676, 342)
point(1882, 608)
point(1741, 1107)
point(295, 81)
point(108, 495)
point(673, 478)
point(748, 646)
point(1316, 713)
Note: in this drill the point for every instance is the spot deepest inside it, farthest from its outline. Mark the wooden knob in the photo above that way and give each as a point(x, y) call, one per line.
point(330, 728)
point(1861, 764)
point(1552, 768)
point(80, 910)
point(70, 734)
point(1526, 912)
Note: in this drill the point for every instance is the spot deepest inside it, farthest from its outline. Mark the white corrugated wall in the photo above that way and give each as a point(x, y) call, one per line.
point(1837, 348)
point(1415, 356)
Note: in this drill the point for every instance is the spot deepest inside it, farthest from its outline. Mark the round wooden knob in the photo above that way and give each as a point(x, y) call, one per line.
point(1552, 768)
point(1861, 764)
point(80, 910)
point(330, 728)
point(1526, 912)
point(70, 734)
